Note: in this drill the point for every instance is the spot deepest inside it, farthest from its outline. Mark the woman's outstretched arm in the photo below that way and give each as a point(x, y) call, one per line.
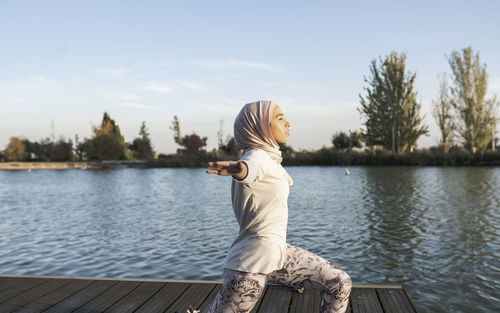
point(238, 169)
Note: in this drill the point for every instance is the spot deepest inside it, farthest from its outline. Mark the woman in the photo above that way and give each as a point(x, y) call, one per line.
point(259, 194)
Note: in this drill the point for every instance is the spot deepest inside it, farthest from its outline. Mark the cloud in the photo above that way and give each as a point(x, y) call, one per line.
point(168, 87)
point(135, 105)
point(128, 97)
point(28, 83)
point(236, 64)
point(159, 87)
point(113, 73)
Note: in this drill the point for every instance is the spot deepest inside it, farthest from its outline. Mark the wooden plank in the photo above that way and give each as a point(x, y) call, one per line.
point(21, 286)
point(205, 306)
point(194, 295)
point(31, 295)
point(365, 300)
point(55, 296)
point(86, 300)
point(136, 298)
point(394, 301)
point(8, 282)
point(164, 298)
point(276, 300)
point(307, 301)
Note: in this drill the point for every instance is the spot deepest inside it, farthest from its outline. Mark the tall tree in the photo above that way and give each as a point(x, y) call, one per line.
point(390, 110)
point(176, 128)
point(443, 114)
point(477, 116)
point(108, 142)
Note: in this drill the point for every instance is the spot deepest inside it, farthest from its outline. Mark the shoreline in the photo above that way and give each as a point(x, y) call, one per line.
point(84, 165)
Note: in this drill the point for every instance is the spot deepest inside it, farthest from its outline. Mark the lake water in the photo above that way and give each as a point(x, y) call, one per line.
point(434, 229)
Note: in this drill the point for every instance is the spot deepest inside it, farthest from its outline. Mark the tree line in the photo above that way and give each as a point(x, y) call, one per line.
point(107, 143)
point(389, 109)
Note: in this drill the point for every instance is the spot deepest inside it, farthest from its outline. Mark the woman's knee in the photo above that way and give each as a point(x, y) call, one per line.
point(341, 283)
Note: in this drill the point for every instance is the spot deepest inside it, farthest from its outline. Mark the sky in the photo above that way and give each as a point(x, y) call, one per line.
point(64, 63)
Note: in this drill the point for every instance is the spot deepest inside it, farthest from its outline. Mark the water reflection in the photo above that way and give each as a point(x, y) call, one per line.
point(390, 199)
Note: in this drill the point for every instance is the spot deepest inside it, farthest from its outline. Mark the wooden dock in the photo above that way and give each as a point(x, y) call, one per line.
point(92, 295)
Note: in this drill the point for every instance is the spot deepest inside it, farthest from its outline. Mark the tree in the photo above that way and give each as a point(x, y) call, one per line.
point(142, 146)
point(476, 116)
point(177, 130)
point(390, 110)
point(344, 141)
point(15, 150)
point(230, 147)
point(108, 143)
point(62, 150)
point(220, 135)
point(341, 141)
point(442, 111)
point(191, 143)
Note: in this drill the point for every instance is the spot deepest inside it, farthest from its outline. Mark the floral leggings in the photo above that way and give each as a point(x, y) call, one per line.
point(241, 291)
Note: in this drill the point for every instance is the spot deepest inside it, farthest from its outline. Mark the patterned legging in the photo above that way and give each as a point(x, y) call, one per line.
point(241, 291)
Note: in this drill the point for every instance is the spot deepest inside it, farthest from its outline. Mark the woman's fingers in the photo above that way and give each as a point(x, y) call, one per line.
point(223, 168)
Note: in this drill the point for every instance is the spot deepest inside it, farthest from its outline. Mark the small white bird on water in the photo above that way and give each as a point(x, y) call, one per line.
point(347, 171)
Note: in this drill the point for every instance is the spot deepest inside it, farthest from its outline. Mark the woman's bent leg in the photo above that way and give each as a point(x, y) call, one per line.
point(305, 269)
point(239, 293)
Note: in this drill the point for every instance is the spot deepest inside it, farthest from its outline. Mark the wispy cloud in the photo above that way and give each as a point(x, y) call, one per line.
point(134, 105)
point(237, 64)
point(168, 87)
point(113, 73)
point(29, 83)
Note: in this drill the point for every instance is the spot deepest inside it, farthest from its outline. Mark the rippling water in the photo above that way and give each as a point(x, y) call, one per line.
point(434, 229)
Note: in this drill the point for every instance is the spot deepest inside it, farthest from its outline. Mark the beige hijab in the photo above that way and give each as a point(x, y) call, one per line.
point(252, 129)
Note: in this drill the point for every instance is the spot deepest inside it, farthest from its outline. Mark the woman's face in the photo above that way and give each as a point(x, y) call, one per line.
point(279, 126)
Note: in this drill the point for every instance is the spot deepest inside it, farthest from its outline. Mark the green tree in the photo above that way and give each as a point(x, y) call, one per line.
point(15, 150)
point(476, 116)
point(142, 145)
point(344, 141)
point(443, 114)
point(390, 110)
point(39, 151)
point(340, 140)
point(192, 143)
point(230, 147)
point(62, 150)
point(176, 128)
point(108, 142)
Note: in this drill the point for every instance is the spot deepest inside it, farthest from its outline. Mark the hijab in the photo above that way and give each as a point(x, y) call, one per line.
point(252, 129)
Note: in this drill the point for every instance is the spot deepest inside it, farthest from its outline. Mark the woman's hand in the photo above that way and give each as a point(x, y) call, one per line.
point(237, 169)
